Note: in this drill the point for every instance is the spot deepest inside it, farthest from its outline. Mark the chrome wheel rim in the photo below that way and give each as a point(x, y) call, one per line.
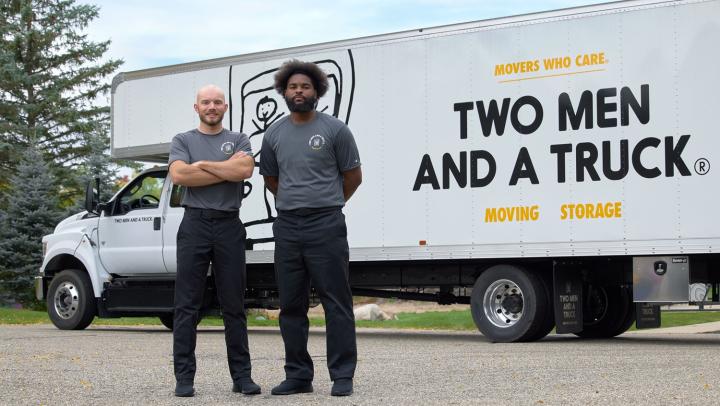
point(66, 300)
point(503, 303)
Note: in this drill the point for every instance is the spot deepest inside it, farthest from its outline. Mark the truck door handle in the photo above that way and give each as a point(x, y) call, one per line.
point(156, 223)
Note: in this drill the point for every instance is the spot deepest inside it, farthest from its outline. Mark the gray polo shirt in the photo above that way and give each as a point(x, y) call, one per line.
point(308, 160)
point(193, 146)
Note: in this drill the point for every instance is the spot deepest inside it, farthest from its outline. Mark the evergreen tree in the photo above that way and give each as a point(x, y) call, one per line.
point(50, 78)
point(98, 164)
point(32, 212)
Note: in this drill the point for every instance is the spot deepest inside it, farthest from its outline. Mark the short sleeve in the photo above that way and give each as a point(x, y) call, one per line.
point(346, 151)
point(178, 151)
point(244, 144)
point(268, 159)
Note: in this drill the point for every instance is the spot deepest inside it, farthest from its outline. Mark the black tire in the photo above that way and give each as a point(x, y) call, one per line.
point(71, 301)
point(608, 311)
point(548, 323)
point(509, 304)
point(167, 320)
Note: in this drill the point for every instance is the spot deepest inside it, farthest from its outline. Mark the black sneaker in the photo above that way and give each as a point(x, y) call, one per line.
point(184, 389)
point(342, 387)
point(246, 386)
point(292, 386)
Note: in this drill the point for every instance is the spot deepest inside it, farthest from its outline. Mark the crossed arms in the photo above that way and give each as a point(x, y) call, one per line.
point(203, 173)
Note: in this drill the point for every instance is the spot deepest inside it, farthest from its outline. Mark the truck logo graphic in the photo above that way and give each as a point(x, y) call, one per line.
point(660, 267)
point(259, 106)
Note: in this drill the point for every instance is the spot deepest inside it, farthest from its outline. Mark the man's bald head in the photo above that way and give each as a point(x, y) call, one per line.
point(211, 107)
point(209, 92)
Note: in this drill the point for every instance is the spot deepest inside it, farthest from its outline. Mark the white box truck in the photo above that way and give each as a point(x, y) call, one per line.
point(551, 170)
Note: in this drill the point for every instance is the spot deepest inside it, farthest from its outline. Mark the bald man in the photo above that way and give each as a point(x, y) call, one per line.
point(212, 163)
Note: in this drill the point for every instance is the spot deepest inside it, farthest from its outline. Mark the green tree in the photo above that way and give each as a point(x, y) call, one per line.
point(32, 211)
point(98, 164)
point(51, 76)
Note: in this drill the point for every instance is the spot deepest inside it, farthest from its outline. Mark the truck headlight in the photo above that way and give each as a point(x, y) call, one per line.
point(44, 249)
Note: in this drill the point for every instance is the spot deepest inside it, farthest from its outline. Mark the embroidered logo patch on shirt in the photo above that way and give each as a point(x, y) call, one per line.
point(317, 142)
point(227, 148)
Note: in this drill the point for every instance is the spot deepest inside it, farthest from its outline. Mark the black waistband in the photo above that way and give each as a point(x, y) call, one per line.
point(212, 213)
point(307, 211)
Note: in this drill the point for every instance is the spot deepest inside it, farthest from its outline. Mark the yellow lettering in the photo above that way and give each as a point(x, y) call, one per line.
point(598, 210)
point(590, 59)
point(490, 215)
point(512, 213)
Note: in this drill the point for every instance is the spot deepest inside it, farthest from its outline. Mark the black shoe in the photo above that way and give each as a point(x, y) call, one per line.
point(246, 386)
point(342, 387)
point(292, 386)
point(184, 389)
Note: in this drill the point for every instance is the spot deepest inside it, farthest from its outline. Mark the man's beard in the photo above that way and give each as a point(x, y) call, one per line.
point(218, 119)
point(304, 107)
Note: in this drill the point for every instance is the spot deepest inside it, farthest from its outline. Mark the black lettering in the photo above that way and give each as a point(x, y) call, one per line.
point(463, 108)
point(637, 163)
point(499, 118)
point(426, 174)
point(603, 108)
point(460, 174)
point(607, 161)
point(561, 150)
point(586, 162)
point(565, 111)
point(523, 168)
point(641, 110)
point(526, 101)
point(492, 168)
point(673, 156)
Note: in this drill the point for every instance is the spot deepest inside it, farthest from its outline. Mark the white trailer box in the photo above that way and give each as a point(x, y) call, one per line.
point(546, 150)
point(586, 131)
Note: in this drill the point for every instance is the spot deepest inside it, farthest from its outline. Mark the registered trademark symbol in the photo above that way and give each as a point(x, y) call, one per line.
point(702, 166)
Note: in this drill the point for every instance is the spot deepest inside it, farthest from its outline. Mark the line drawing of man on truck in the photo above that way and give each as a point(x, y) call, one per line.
point(211, 163)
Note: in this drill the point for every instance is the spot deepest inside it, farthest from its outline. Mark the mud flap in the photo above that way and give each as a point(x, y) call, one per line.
point(647, 315)
point(567, 299)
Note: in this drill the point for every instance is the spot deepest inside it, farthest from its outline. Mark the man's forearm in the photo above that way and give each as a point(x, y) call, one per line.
point(188, 175)
point(351, 181)
point(271, 183)
point(232, 170)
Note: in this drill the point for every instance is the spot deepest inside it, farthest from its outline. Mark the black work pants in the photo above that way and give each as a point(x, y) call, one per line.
point(203, 237)
point(311, 247)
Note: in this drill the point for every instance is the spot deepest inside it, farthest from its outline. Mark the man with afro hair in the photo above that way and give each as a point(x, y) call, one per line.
point(310, 162)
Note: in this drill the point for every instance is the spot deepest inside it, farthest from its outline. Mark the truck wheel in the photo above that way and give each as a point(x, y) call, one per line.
point(549, 321)
point(608, 311)
point(167, 320)
point(509, 304)
point(70, 300)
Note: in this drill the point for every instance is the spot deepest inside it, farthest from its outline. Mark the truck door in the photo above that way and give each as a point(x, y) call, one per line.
point(130, 230)
point(171, 222)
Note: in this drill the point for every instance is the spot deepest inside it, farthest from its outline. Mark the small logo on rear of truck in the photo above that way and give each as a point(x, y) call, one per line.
point(660, 267)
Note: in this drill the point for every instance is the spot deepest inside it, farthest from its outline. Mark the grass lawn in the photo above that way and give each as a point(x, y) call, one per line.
point(460, 320)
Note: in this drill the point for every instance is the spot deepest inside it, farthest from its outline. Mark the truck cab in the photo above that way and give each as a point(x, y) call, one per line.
point(116, 258)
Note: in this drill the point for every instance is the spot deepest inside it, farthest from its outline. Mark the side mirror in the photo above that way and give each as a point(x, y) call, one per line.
point(92, 196)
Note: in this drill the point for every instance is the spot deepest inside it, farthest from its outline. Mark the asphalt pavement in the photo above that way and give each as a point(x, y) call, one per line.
point(40, 365)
